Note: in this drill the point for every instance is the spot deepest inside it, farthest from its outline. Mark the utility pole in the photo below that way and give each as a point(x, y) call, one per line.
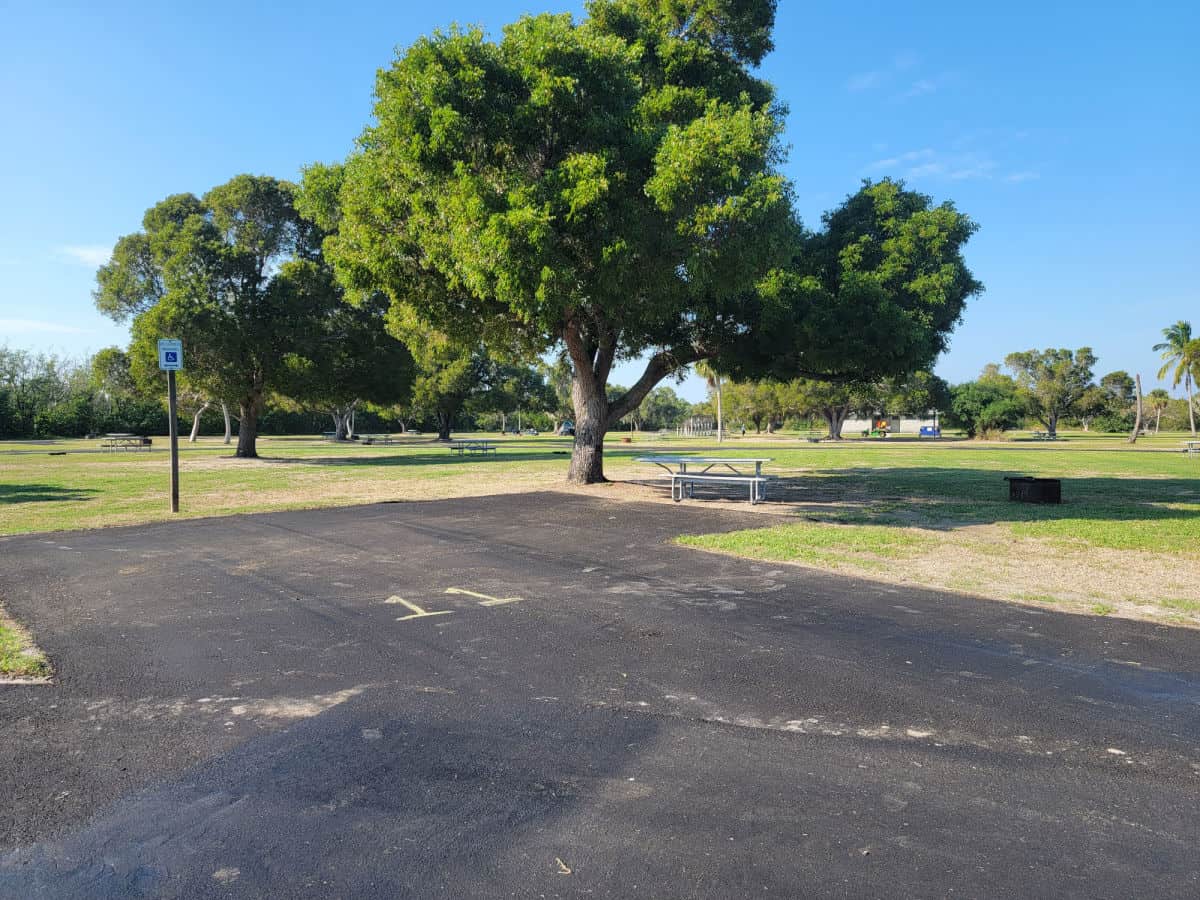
point(720, 415)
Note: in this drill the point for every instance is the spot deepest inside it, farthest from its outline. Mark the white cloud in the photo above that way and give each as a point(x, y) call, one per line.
point(37, 326)
point(1018, 177)
point(919, 88)
point(903, 160)
point(864, 81)
point(86, 254)
point(930, 163)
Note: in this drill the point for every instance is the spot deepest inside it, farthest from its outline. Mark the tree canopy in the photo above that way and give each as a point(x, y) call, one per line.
point(1052, 382)
point(237, 275)
point(609, 188)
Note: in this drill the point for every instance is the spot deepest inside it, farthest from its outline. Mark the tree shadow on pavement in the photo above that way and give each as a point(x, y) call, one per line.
point(377, 796)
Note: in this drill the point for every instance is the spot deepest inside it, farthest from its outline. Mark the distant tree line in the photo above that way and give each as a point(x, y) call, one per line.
point(1057, 386)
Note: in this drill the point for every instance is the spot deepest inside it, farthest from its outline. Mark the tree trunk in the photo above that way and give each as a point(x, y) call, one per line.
point(339, 425)
point(247, 446)
point(1157, 419)
point(196, 422)
point(228, 425)
point(1137, 422)
point(835, 418)
point(443, 424)
point(591, 424)
point(592, 359)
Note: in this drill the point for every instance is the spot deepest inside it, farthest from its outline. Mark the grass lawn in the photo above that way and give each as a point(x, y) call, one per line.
point(1126, 541)
point(86, 488)
point(19, 658)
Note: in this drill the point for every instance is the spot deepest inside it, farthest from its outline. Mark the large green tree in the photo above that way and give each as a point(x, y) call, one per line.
point(1052, 382)
point(349, 359)
point(987, 405)
point(513, 388)
point(1181, 362)
point(236, 275)
point(449, 374)
point(609, 187)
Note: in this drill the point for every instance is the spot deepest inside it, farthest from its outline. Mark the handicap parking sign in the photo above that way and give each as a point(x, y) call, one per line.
point(170, 355)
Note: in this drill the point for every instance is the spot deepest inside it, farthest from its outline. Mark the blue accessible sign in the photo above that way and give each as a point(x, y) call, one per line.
point(170, 355)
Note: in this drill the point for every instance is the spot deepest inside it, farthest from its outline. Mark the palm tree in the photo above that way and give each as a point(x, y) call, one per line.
point(1181, 355)
point(1159, 400)
point(713, 379)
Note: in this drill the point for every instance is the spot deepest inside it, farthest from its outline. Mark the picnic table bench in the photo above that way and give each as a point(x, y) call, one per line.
point(125, 442)
point(1044, 436)
point(473, 446)
point(378, 439)
point(684, 480)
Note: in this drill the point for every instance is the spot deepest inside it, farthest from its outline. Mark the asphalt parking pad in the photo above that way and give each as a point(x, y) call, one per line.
point(253, 706)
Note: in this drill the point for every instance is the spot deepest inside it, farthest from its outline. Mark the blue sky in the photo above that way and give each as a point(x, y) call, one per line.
point(1069, 131)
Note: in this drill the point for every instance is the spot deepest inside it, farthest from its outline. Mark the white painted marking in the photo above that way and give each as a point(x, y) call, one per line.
point(485, 599)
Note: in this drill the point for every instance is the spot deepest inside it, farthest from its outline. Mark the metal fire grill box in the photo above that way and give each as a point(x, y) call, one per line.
point(1034, 490)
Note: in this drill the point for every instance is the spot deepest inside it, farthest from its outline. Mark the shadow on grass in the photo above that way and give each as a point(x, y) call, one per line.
point(946, 498)
point(42, 493)
point(443, 458)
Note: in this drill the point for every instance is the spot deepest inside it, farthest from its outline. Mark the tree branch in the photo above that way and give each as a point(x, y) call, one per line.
point(660, 365)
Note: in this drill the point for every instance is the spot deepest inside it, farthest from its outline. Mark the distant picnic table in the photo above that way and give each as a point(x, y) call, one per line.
point(473, 446)
point(1191, 448)
point(702, 471)
point(123, 441)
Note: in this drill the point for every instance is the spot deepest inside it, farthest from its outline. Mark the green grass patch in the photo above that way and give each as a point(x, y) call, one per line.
point(1189, 606)
point(1037, 598)
point(19, 658)
point(866, 546)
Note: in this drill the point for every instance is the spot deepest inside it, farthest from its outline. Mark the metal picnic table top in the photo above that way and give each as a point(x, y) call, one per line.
point(124, 441)
point(665, 461)
point(473, 445)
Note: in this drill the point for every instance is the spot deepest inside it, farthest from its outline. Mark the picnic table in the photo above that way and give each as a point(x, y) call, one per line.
point(124, 441)
point(1191, 448)
point(378, 439)
point(473, 446)
point(702, 471)
point(1044, 436)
